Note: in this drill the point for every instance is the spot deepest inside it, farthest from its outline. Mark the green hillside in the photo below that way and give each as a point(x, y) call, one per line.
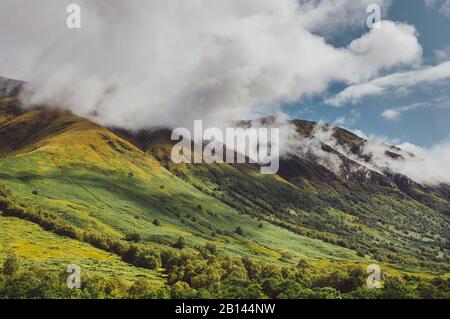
point(75, 192)
point(99, 181)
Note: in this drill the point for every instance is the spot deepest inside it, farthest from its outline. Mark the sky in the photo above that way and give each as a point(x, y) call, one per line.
point(138, 64)
point(417, 114)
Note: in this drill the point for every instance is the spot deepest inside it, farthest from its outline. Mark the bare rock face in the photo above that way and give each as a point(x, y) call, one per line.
point(9, 88)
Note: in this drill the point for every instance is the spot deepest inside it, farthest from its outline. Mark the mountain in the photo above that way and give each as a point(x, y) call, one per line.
point(384, 216)
point(68, 184)
point(9, 88)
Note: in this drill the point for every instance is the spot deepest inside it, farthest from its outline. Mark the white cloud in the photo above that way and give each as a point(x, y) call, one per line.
point(391, 114)
point(137, 64)
point(331, 16)
point(349, 120)
point(427, 166)
point(394, 114)
point(442, 5)
point(424, 165)
point(427, 75)
point(443, 54)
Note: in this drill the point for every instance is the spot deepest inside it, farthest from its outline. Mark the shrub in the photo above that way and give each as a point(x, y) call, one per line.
point(181, 243)
point(156, 222)
point(11, 265)
point(211, 248)
point(239, 231)
point(133, 236)
point(96, 240)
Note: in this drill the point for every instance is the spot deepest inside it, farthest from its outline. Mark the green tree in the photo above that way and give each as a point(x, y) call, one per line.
point(142, 288)
point(239, 231)
point(133, 236)
point(181, 243)
point(156, 222)
point(11, 265)
point(181, 290)
point(212, 248)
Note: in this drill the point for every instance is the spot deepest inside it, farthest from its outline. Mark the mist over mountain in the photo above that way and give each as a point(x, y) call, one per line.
point(9, 88)
point(169, 64)
point(315, 140)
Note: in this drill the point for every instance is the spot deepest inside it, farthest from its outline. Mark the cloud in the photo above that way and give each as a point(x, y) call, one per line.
point(443, 54)
point(428, 165)
point(442, 5)
point(391, 114)
point(138, 64)
point(329, 16)
point(401, 80)
point(394, 114)
point(349, 120)
point(424, 165)
point(310, 147)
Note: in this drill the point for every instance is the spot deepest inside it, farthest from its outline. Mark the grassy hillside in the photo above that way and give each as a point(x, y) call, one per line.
point(99, 181)
point(122, 196)
point(36, 247)
point(381, 222)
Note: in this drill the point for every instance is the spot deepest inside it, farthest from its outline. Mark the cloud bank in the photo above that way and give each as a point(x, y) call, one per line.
point(427, 166)
point(138, 64)
point(424, 165)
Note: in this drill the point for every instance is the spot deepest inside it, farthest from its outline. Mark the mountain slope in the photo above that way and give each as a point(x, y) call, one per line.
point(372, 213)
point(117, 183)
point(98, 181)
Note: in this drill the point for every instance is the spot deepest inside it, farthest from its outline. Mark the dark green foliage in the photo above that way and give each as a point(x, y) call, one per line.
point(156, 222)
point(205, 273)
point(48, 221)
point(11, 265)
point(239, 231)
point(214, 275)
point(343, 281)
point(211, 248)
point(181, 243)
point(133, 236)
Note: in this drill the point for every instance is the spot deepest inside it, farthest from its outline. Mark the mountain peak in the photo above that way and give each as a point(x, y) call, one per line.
point(9, 87)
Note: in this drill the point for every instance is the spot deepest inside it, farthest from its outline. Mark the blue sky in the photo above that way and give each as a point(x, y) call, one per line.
point(426, 113)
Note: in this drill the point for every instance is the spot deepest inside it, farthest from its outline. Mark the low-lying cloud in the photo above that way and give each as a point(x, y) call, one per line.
point(424, 165)
point(138, 64)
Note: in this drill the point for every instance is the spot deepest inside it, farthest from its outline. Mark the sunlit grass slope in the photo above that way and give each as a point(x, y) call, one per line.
point(36, 247)
point(98, 181)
